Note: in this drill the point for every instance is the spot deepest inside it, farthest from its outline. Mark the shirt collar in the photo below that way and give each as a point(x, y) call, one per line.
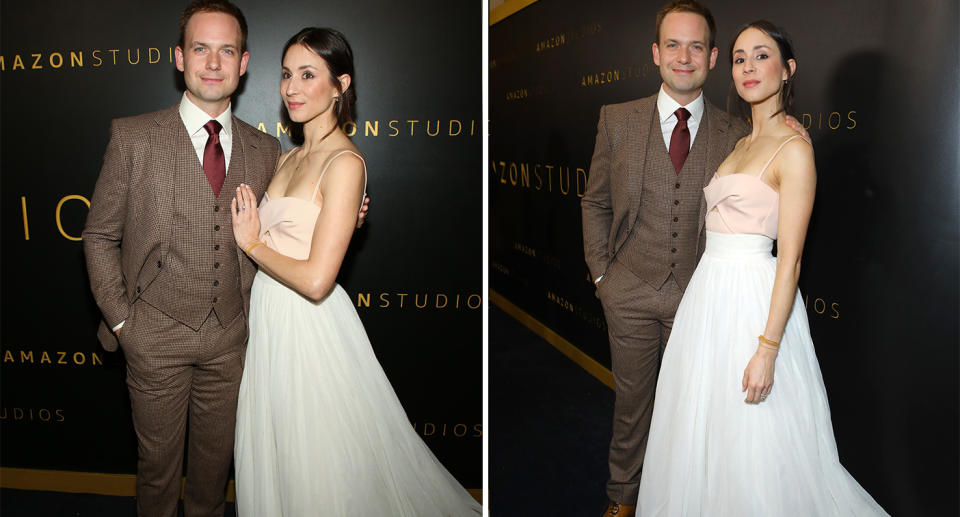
point(194, 118)
point(667, 106)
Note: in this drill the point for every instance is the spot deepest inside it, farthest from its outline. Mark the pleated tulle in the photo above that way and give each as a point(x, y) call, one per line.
point(319, 428)
point(711, 454)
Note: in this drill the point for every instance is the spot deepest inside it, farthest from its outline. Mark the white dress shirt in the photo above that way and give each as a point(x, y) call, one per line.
point(668, 118)
point(194, 119)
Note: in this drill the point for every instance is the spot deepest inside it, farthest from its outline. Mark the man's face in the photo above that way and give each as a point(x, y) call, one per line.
point(211, 61)
point(684, 55)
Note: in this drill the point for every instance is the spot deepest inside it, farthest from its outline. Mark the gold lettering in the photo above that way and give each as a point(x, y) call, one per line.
point(513, 173)
point(150, 54)
point(444, 300)
point(478, 429)
point(96, 359)
point(394, 128)
point(96, 55)
point(350, 128)
point(40, 414)
point(479, 301)
point(113, 52)
point(262, 127)
point(581, 186)
point(459, 127)
point(8, 357)
point(830, 120)
point(384, 300)
point(536, 174)
point(26, 225)
point(59, 413)
point(525, 175)
point(130, 60)
point(26, 356)
point(416, 301)
point(401, 295)
point(461, 433)
point(282, 130)
point(61, 358)
point(80, 361)
point(59, 59)
point(374, 128)
point(45, 358)
point(472, 124)
point(549, 177)
point(836, 310)
point(361, 301)
point(36, 62)
point(412, 123)
point(76, 59)
point(432, 429)
point(850, 115)
point(566, 190)
point(503, 168)
point(60, 205)
point(17, 62)
point(435, 133)
point(806, 120)
point(3, 65)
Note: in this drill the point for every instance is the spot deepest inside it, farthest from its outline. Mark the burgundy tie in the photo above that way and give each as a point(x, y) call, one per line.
point(213, 162)
point(680, 141)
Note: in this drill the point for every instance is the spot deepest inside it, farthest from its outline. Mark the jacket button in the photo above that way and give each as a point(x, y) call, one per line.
point(673, 250)
point(216, 208)
point(677, 185)
point(676, 202)
point(159, 264)
point(138, 289)
point(216, 265)
point(216, 227)
point(216, 247)
point(216, 283)
point(673, 265)
point(674, 233)
point(675, 219)
point(214, 299)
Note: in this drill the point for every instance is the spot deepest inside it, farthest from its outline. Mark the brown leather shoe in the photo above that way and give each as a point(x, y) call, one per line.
point(620, 510)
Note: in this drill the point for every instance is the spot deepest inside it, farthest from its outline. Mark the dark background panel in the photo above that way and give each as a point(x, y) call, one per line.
point(876, 88)
point(415, 62)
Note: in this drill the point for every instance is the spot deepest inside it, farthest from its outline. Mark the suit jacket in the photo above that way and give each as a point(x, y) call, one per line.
point(130, 222)
point(611, 202)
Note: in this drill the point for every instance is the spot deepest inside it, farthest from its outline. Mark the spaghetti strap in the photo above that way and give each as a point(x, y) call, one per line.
point(774, 155)
point(316, 188)
point(284, 160)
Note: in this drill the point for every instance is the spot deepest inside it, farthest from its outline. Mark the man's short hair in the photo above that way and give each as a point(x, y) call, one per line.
point(214, 6)
point(687, 6)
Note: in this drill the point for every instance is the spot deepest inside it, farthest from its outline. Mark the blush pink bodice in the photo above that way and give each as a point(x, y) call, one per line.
point(287, 223)
point(743, 203)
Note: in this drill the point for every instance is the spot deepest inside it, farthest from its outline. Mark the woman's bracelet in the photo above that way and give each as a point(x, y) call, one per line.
point(766, 343)
point(252, 246)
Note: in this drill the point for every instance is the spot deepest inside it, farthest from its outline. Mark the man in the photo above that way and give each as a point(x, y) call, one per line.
point(171, 284)
point(643, 213)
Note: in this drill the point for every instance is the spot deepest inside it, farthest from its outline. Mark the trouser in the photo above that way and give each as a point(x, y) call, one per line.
point(174, 371)
point(639, 319)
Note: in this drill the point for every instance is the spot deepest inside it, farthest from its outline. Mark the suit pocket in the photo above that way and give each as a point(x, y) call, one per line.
point(126, 332)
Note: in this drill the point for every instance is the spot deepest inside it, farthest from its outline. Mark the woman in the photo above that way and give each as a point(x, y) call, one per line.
point(724, 439)
point(319, 428)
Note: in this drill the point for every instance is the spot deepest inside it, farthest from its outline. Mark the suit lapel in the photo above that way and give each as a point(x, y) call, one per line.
point(638, 127)
point(715, 130)
point(173, 155)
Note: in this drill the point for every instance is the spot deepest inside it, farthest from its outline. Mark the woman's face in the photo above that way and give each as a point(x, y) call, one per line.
point(758, 70)
point(305, 85)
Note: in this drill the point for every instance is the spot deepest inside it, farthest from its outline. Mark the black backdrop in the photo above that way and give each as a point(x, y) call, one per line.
point(877, 91)
point(415, 269)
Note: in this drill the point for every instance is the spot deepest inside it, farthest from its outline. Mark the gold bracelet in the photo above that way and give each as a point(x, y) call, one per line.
point(766, 343)
point(252, 246)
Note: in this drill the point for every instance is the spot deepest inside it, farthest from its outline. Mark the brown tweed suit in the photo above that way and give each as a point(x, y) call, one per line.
point(161, 257)
point(643, 231)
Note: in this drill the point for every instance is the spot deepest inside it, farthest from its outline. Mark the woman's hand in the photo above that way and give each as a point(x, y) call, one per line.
point(246, 221)
point(758, 376)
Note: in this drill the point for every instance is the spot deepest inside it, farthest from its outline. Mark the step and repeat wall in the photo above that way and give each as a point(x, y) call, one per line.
point(414, 270)
point(877, 91)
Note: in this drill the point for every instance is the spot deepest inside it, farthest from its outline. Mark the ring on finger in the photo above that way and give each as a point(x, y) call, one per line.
point(243, 207)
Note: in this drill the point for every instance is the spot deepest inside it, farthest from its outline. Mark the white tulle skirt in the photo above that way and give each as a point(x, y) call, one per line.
point(319, 428)
point(711, 454)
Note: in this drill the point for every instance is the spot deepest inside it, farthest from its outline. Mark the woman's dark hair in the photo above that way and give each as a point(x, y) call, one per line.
point(785, 46)
point(333, 47)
